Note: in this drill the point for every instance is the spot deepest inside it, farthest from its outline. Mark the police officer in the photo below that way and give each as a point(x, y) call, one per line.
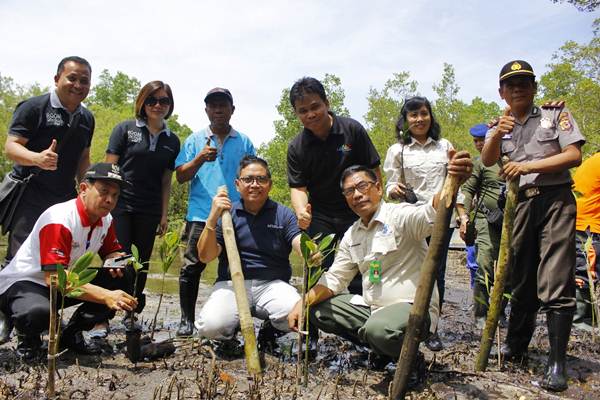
point(542, 144)
point(484, 186)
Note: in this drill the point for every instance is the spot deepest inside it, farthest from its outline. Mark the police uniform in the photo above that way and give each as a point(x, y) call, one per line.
point(543, 242)
point(485, 186)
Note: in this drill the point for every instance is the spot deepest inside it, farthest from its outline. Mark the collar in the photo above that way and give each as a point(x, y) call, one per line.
point(239, 206)
point(414, 142)
point(232, 132)
point(83, 216)
point(55, 103)
point(140, 123)
point(379, 216)
point(535, 112)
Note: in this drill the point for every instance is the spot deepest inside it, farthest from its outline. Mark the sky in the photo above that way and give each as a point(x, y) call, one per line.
point(256, 49)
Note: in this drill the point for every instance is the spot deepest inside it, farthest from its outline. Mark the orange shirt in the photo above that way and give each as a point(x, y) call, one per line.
point(587, 183)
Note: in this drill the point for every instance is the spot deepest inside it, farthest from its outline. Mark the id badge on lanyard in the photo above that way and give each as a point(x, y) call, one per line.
point(375, 271)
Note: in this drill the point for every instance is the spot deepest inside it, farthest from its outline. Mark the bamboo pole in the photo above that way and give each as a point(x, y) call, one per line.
point(504, 265)
point(414, 330)
point(237, 279)
point(52, 340)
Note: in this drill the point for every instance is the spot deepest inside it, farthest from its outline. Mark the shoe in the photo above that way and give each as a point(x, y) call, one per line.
point(378, 362)
point(186, 328)
point(76, 342)
point(29, 348)
point(559, 330)
point(434, 343)
point(418, 372)
point(5, 328)
point(267, 338)
point(188, 293)
point(520, 330)
point(228, 349)
point(100, 331)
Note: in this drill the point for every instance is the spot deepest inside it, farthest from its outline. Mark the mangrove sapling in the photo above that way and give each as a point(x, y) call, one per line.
point(69, 283)
point(167, 251)
point(133, 331)
point(313, 254)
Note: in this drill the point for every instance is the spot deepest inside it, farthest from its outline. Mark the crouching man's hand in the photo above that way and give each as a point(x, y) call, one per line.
point(119, 300)
point(294, 316)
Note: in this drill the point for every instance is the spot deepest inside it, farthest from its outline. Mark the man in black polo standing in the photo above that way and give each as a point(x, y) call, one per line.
point(38, 142)
point(316, 158)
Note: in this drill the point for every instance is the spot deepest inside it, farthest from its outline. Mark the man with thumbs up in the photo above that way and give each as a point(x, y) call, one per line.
point(541, 145)
point(50, 136)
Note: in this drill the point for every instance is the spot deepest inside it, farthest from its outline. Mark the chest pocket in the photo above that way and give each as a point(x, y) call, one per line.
point(543, 143)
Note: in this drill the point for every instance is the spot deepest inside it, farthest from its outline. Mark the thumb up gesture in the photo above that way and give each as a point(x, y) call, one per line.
point(48, 159)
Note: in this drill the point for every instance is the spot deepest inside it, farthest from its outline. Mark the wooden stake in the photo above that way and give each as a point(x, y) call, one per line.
point(52, 340)
point(414, 330)
point(504, 263)
point(239, 287)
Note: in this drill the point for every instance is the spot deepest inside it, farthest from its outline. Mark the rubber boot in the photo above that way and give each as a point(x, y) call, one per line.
point(559, 329)
point(188, 294)
point(5, 328)
point(520, 330)
point(29, 348)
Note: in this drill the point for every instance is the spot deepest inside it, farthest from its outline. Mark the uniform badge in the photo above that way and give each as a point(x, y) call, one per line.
point(375, 271)
point(546, 123)
point(515, 66)
point(564, 122)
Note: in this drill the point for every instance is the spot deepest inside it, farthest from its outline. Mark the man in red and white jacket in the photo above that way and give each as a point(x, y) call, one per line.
point(60, 236)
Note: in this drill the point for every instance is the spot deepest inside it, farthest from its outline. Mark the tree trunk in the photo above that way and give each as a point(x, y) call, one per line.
point(504, 265)
point(52, 340)
point(415, 329)
point(237, 278)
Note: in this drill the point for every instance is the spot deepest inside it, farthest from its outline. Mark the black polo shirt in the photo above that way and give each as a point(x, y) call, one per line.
point(39, 121)
point(318, 164)
point(264, 242)
point(143, 163)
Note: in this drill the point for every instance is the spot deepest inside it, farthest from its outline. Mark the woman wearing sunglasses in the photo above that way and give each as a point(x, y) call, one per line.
point(416, 168)
point(145, 150)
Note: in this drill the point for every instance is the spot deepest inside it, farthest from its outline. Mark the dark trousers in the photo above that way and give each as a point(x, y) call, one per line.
point(27, 304)
point(326, 225)
point(24, 219)
point(544, 253)
point(139, 230)
point(189, 275)
point(441, 269)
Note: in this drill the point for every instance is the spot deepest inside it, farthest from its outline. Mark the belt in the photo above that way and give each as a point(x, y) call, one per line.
point(534, 191)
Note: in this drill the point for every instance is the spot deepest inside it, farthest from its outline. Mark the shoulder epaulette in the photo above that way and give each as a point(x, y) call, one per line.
point(552, 105)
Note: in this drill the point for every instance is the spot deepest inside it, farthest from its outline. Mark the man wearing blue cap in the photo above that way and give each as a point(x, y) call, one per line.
point(485, 187)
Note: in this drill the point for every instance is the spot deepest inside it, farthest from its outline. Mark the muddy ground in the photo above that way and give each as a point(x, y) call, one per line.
point(192, 373)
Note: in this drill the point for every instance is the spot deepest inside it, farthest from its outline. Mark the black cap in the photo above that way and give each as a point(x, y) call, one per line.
point(514, 68)
point(219, 92)
point(106, 171)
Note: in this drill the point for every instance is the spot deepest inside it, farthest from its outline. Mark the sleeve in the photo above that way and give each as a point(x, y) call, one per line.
point(25, 120)
point(370, 156)
point(418, 221)
point(568, 131)
point(187, 151)
point(296, 175)
point(92, 128)
point(291, 226)
point(391, 168)
point(110, 243)
point(250, 148)
point(117, 143)
point(55, 246)
point(177, 147)
point(342, 271)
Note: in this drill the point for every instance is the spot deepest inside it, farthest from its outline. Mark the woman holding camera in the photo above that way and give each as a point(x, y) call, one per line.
point(416, 168)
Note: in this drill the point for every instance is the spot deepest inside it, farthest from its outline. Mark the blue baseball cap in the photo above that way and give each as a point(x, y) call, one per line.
point(478, 130)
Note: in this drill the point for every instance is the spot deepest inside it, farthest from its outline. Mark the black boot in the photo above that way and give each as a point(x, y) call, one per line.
point(5, 328)
point(188, 293)
point(559, 329)
point(520, 330)
point(29, 348)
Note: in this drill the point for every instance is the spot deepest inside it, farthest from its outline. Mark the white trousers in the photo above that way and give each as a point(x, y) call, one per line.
point(272, 300)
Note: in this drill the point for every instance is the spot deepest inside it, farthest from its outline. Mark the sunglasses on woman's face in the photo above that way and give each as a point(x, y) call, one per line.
point(163, 101)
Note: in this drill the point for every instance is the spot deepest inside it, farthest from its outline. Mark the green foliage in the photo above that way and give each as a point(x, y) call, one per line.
point(114, 90)
point(168, 250)
point(287, 127)
point(581, 5)
point(70, 281)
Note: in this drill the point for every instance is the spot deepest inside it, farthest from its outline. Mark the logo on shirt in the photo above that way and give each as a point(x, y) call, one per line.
point(57, 251)
point(273, 226)
point(385, 230)
point(54, 119)
point(134, 136)
point(345, 148)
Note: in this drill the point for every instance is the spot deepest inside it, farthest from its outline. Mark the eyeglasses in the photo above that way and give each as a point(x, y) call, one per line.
point(163, 101)
point(260, 179)
point(362, 187)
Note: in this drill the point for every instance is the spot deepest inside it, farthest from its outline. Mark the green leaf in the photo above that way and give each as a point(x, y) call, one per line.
point(75, 293)
point(326, 242)
point(87, 276)
point(135, 253)
point(317, 237)
point(315, 274)
point(304, 239)
point(62, 278)
point(82, 262)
